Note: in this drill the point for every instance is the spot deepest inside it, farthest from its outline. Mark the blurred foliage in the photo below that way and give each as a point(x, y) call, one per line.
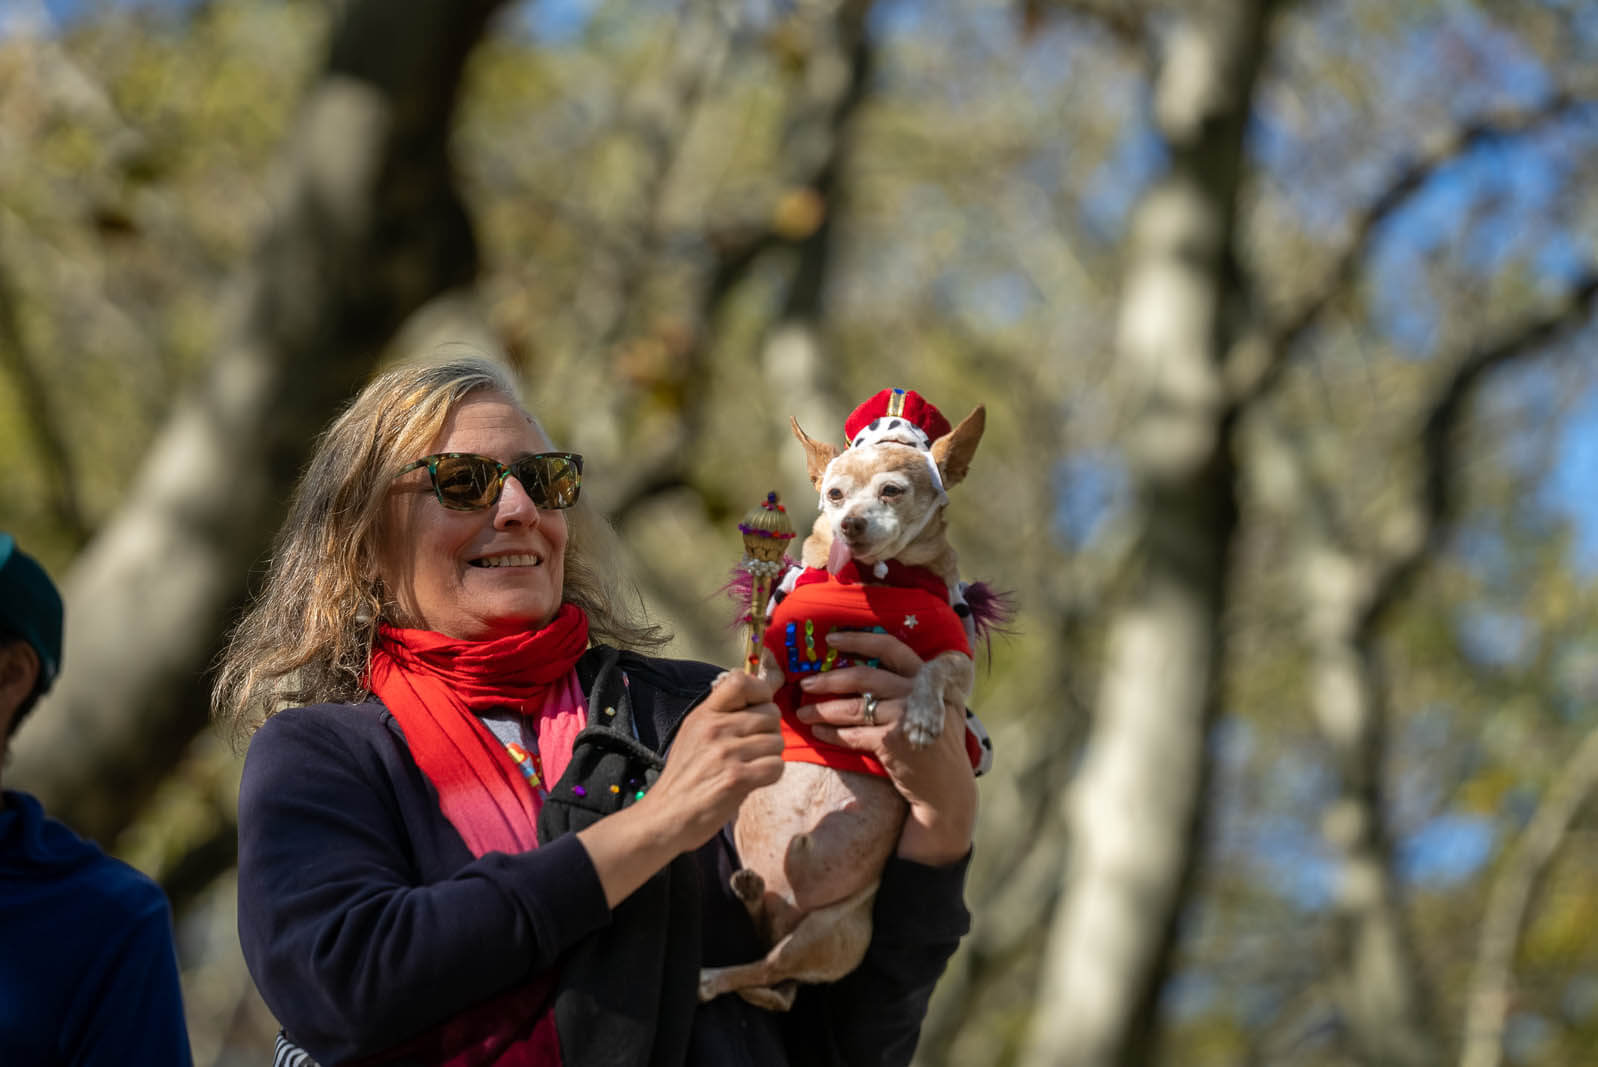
point(977, 238)
point(138, 148)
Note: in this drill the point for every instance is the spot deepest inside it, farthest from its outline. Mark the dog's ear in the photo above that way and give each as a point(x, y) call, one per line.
point(953, 451)
point(817, 453)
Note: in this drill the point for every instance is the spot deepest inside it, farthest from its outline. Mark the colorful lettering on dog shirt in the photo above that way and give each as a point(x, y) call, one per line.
point(912, 605)
point(793, 663)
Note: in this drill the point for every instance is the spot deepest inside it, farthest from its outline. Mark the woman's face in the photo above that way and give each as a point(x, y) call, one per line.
point(475, 575)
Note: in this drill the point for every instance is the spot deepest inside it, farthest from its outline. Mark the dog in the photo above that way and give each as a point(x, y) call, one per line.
point(813, 845)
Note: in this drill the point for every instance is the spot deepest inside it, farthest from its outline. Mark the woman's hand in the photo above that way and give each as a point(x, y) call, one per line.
point(727, 747)
point(936, 781)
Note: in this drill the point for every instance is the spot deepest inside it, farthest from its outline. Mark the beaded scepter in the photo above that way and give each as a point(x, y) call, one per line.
point(767, 531)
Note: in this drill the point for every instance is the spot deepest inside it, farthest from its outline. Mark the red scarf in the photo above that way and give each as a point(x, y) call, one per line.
point(436, 686)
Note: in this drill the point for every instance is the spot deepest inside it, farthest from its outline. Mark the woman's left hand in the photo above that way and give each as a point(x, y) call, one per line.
point(937, 781)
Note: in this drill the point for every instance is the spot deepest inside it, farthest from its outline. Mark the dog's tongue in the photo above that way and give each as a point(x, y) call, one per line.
point(837, 556)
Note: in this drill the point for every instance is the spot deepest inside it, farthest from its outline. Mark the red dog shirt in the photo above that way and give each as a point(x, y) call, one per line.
point(911, 603)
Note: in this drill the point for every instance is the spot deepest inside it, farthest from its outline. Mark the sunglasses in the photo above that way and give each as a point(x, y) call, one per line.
point(463, 481)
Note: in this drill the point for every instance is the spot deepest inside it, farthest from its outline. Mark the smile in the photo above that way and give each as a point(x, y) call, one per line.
point(508, 561)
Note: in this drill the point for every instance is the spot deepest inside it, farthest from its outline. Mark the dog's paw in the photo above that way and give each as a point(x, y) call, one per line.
point(922, 722)
point(711, 984)
point(770, 673)
point(778, 997)
point(748, 885)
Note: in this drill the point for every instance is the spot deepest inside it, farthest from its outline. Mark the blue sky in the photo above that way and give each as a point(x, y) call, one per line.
point(1574, 486)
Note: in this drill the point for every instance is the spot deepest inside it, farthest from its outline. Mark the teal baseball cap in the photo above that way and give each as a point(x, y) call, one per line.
point(30, 606)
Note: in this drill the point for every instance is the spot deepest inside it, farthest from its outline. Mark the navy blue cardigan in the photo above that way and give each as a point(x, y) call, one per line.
point(366, 920)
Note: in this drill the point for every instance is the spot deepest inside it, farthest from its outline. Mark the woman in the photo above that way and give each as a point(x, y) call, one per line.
point(458, 840)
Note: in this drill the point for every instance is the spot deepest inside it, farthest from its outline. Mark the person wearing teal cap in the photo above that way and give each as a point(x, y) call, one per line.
point(30, 634)
point(88, 970)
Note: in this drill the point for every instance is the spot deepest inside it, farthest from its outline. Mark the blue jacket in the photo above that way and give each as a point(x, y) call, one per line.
point(366, 920)
point(88, 973)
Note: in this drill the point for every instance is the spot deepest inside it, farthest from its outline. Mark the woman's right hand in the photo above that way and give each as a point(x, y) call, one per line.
point(726, 748)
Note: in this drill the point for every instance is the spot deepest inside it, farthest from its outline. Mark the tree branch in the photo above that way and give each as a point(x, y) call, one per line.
point(818, 133)
point(33, 400)
point(1265, 351)
point(1418, 537)
point(832, 85)
point(661, 479)
point(1509, 905)
point(1127, 23)
point(656, 120)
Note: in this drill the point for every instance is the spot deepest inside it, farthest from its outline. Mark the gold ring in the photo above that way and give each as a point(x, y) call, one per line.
point(868, 709)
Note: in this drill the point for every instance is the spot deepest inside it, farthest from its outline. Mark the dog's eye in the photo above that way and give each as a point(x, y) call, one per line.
point(834, 493)
point(892, 490)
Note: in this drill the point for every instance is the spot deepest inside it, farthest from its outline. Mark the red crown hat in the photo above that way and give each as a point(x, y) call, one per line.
point(903, 416)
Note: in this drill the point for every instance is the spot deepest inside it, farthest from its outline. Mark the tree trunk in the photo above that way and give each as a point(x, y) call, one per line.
point(816, 144)
point(1136, 806)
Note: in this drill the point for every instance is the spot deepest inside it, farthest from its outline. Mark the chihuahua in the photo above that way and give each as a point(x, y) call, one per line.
point(813, 845)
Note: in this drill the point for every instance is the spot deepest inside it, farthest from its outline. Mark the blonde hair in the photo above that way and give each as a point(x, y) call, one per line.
point(307, 638)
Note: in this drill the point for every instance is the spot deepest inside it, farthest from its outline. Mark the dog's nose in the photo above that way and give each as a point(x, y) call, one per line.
point(853, 526)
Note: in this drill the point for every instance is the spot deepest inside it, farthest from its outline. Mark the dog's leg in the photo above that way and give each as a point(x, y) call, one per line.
point(946, 675)
point(779, 997)
point(771, 914)
point(827, 944)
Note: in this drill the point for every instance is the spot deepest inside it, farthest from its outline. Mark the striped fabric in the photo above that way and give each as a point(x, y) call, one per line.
point(288, 1054)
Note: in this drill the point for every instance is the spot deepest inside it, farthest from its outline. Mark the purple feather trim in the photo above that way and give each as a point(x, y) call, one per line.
point(740, 589)
point(991, 611)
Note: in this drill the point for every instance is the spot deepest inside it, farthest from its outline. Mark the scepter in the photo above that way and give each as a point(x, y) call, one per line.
point(767, 531)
